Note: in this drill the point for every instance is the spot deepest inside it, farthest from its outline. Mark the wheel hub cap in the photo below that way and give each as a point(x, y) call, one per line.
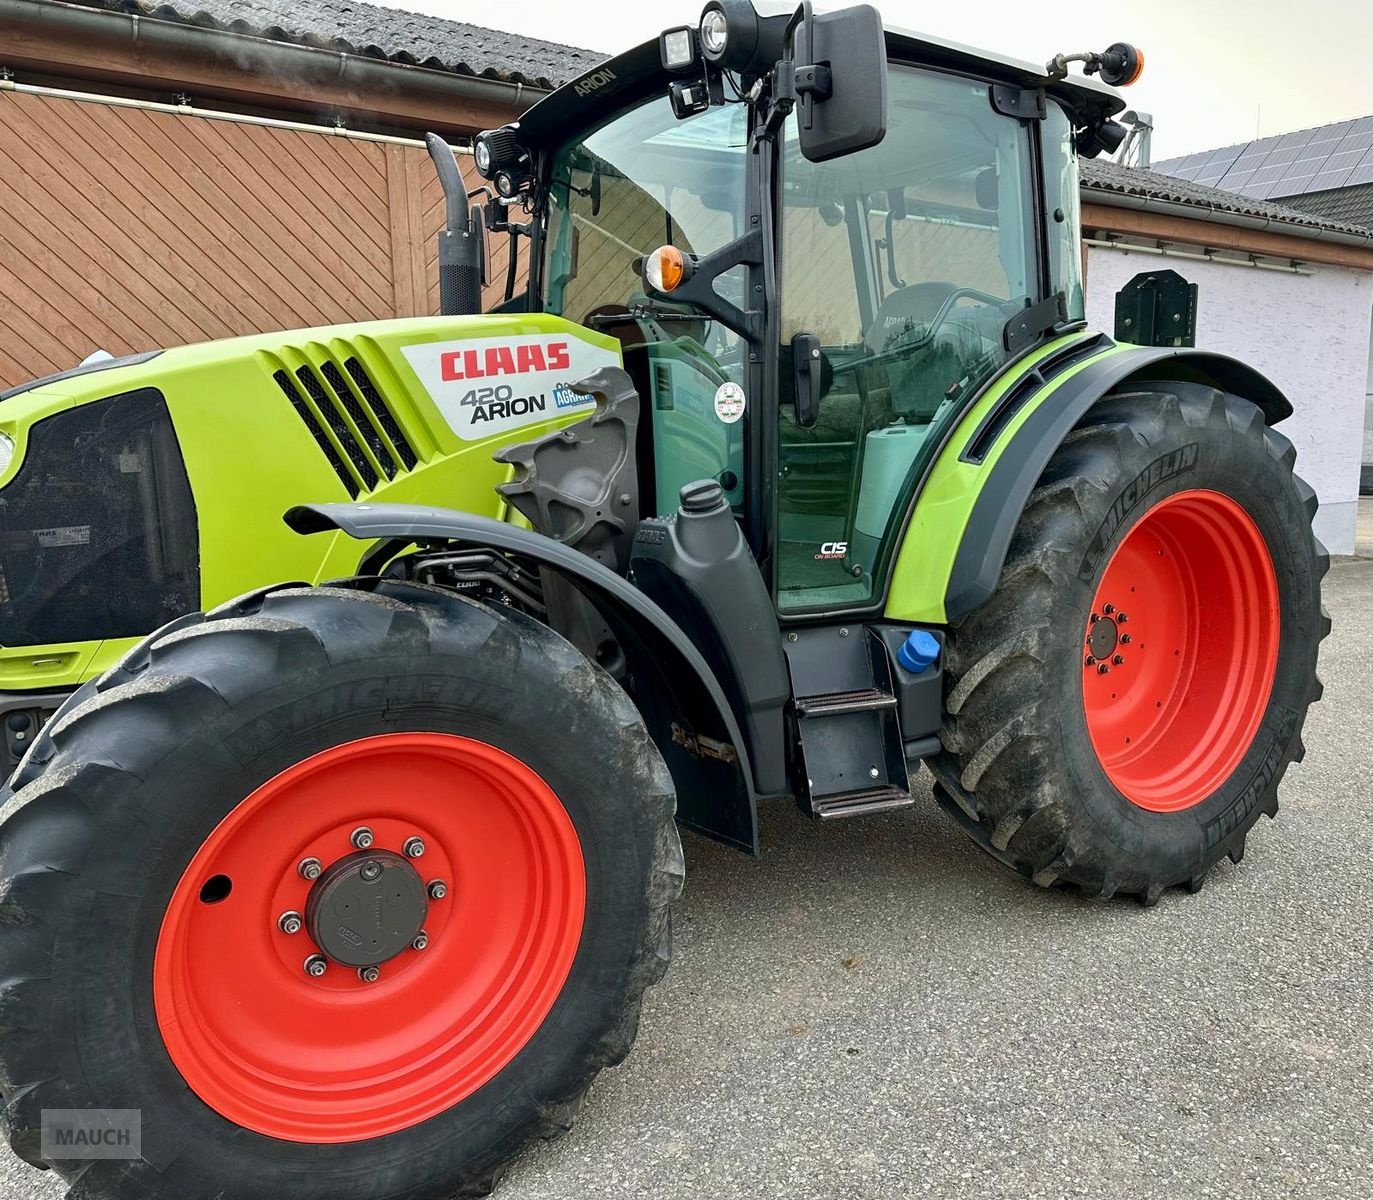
point(367, 908)
point(1102, 641)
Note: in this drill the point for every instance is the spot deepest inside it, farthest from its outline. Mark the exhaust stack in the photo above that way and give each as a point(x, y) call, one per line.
point(462, 242)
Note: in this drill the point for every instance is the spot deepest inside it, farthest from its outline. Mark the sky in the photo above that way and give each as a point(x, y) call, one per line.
point(1216, 71)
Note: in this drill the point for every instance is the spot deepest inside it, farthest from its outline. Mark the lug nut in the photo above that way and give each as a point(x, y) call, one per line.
point(370, 871)
point(309, 868)
point(421, 941)
point(1121, 618)
point(414, 847)
point(438, 889)
point(1089, 661)
point(1119, 660)
point(1103, 669)
point(316, 965)
point(1108, 609)
point(361, 838)
point(1125, 639)
point(290, 922)
point(369, 974)
point(1094, 618)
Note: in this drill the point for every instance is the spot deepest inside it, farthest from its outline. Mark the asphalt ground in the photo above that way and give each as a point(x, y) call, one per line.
point(878, 1010)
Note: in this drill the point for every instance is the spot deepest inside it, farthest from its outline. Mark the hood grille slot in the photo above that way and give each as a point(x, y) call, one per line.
point(334, 418)
point(312, 423)
point(385, 418)
point(348, 417)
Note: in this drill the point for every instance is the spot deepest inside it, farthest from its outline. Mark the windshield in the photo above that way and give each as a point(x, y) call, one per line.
point(644, 180)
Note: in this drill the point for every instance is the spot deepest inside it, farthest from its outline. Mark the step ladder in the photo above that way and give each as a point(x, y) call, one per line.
point(847, 726)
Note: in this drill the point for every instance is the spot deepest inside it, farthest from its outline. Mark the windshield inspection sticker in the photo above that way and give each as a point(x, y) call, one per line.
point(484, 386)
point(729, 402)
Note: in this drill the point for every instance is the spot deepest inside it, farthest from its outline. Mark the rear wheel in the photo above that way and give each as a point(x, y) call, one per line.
point(1121, 712)
point(373, 869)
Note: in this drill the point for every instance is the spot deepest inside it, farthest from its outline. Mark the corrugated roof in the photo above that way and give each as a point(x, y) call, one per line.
point(1103, 175)
point(1290, 164)
point(375, 32)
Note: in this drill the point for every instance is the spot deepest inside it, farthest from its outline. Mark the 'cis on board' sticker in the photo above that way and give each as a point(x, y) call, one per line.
point(729, 402)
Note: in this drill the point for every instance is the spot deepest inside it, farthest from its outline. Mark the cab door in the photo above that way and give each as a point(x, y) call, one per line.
point(905, 260)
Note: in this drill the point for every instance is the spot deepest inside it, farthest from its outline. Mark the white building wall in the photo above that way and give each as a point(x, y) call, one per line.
point(1308, 333)
point(1367, 482)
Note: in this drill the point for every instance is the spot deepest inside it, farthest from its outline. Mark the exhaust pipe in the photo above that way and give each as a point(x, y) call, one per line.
point(462, 243)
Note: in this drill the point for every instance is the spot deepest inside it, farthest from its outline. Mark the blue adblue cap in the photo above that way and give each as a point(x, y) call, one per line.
point(919, 652)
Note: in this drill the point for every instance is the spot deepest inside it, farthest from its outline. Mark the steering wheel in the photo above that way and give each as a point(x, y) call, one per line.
point(919, 311)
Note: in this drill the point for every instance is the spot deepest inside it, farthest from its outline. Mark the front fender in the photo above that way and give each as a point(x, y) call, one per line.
point(674, 688)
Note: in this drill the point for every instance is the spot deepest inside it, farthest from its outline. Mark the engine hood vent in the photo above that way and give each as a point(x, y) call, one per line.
point(349, 419)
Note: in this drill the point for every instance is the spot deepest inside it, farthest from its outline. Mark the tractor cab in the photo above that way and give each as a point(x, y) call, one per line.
point(817, 243)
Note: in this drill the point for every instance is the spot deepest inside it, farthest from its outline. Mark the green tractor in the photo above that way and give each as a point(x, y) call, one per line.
point(794, 466)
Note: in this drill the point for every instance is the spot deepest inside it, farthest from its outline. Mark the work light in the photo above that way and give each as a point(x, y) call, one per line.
point(737, 37)
point(714, 33)
point(677, 48)
point(494, 150)
point(511, 183)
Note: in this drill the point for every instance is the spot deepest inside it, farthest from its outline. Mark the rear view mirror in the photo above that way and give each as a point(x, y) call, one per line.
point(841, 82)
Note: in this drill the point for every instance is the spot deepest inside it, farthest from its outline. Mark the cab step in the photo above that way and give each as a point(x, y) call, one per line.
point(862, 700)
point(846, 722)
point(861, 803)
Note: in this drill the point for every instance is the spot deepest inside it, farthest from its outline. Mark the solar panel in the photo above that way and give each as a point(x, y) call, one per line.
point(1289, 164)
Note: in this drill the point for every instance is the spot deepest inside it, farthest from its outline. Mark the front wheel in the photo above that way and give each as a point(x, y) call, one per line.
point(1121, 711)
point(349, 892)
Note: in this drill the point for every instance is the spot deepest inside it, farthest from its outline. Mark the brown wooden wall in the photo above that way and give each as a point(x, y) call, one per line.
point(127, 229)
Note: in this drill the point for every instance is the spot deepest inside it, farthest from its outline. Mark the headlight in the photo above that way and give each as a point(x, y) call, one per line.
point(714, 32)
point(6, 453)
point(482, 156)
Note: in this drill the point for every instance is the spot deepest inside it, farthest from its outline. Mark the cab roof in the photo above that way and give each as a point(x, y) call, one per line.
point(637, 74)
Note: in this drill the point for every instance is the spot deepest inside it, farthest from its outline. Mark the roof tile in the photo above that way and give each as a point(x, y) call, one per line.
point(1102, 175)
point(395, 34)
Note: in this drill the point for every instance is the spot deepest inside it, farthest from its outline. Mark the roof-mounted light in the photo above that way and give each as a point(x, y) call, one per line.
point(677, 49)
point(714, 32)
point(495, 150)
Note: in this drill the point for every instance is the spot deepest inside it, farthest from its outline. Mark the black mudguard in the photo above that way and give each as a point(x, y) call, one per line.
point(674, 688)
point(996, 512)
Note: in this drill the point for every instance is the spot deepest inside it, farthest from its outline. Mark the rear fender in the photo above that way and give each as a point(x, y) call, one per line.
point(1012, 475)
point(682, 703)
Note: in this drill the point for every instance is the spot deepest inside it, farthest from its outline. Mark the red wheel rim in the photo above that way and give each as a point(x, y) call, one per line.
point(1182, 650)
point(334, 1059)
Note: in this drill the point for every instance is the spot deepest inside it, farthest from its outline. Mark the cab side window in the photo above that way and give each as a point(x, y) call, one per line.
point(905, 260)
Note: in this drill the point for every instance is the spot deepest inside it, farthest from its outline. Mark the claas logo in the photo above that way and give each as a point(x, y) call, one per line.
point(503, 360)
